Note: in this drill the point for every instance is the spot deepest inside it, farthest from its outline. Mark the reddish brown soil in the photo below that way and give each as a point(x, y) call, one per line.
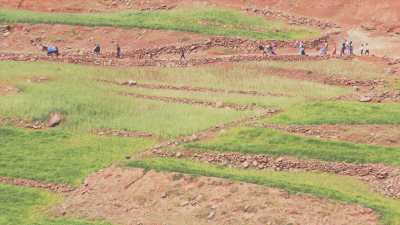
point(7, 89)
point(36, 184)
point(384, 178)
point(382, 135)
point(338, 80)
point(108, 60)
point(78, 39)
point(132, 196)
point(368, 12)
point(88, 5)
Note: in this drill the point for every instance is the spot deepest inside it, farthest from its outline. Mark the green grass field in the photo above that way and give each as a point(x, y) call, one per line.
point(88, 104)
point(277, 143)
point(203, 20)
point(70, 152)
point(339, 113)
point(59, 156)
point(27, 206)
point(345, 189)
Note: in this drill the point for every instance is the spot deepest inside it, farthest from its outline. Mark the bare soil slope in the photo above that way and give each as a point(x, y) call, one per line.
point(131, 196)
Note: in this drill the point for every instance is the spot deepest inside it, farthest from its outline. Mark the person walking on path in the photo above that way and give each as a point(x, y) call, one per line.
point(343, 48)
point(97, 49)
point(302, 49)
point(324, 49)
point(118, 51)
point(366, 49)
point(182, 54)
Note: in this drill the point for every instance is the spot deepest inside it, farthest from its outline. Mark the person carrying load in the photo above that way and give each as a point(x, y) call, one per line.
point(51, 50)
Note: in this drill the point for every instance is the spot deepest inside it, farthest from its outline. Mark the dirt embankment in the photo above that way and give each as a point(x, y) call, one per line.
point(134, 84)
point(60, 188)
point(107, 61)
point(132, 196)
point(381, 135)
point(133, 42)
point(384, 178)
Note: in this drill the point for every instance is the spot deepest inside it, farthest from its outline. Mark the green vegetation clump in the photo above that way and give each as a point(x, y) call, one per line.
point(277, 143)
point(339, 113)
point(208, 21)
point(27, 206)
point(59, 156)
point(346, 189)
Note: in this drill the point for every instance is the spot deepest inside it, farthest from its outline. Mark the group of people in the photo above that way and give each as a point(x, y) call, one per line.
point(53, 50)
point(347, 48)
point(268, 50)
point(97, 50)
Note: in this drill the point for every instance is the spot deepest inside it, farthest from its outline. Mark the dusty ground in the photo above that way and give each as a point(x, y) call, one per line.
point(79, 39)
point(130, 196)
point(7, 89)
point(89, 5)
point(382, 135)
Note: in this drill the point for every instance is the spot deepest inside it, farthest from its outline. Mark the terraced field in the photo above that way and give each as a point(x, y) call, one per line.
point(225, 136)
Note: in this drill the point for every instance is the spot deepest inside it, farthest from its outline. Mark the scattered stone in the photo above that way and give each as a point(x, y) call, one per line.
point(365, 99)
point(219, 104)
point(54, 120)
point(211, 215)
point(132, 82)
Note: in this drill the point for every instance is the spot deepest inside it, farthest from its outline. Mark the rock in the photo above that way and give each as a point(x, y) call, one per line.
point(219, 104)
point(132, 82)
point(211, 215)
point(54, 120)
point(183, 204)
point(365, 99)
point(245, 165)
point(178, 155)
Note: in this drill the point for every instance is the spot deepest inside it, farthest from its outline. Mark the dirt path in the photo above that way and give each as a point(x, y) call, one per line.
point(7, 89)
point(35, 125)
point(385, 179)
point(59, 188)
point(337, 80)
point(381, 135)
point(124, 133)
point(293, 19)
point(75, 6)
point(105, 61)
point(189, 101)
point(134, 84)
point(132, 196)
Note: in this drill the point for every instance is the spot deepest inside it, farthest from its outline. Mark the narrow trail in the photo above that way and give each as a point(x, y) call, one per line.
point(134, 84)
point(58, 188)
point(212, 132)
point(293, 19)
point(125, 133)
point(335, 80)
point(22, 123)
point(385, 179)
point(189, 101)
point(108, 61)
